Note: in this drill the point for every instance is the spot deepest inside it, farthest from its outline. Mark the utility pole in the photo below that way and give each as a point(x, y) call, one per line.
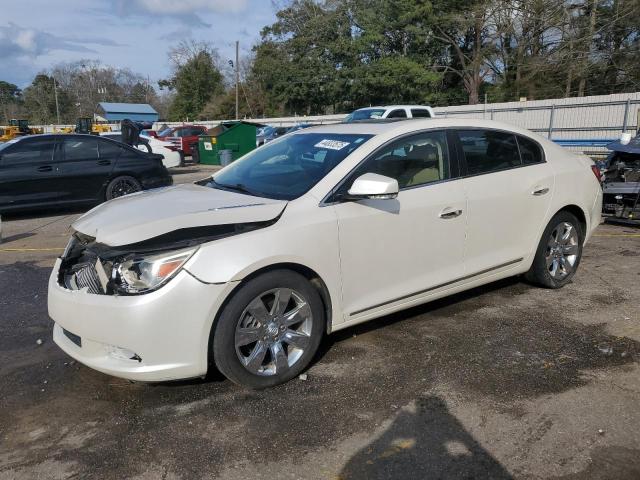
point(237, 79)
point(55, 94)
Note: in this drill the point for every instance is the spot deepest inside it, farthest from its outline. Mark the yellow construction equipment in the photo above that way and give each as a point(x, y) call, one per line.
point(17, 128)
point(87, 125)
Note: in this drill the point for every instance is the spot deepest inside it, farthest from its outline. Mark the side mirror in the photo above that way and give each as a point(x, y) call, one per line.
point(372, 185)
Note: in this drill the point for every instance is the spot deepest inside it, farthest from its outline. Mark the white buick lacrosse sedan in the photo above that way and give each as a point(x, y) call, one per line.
point(314, 232)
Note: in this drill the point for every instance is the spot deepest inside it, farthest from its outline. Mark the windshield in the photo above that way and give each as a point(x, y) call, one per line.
point(365, 114)
point(288, 168)
point(165, 133)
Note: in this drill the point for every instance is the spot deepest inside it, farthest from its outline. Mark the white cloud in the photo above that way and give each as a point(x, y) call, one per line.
point(20, 42)
point(188, 12)
point(193, 6)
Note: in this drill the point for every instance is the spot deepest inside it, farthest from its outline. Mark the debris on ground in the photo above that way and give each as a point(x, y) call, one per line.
point(302, 376)
point(606, 349)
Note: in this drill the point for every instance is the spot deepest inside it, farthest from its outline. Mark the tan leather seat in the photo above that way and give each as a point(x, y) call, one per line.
point(421, 166)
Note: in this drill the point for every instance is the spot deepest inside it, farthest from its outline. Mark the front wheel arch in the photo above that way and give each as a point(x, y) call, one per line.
point(316, 281)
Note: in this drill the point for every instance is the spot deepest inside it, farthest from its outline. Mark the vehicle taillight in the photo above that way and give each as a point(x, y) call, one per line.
point(596, 172)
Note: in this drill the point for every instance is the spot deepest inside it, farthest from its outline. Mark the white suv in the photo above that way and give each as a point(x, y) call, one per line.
point(316, 231)
point(392, 111)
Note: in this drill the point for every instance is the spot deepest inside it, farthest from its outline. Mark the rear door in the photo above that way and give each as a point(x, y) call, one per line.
point(508, 197)
point(84, 173)
point(29, 172)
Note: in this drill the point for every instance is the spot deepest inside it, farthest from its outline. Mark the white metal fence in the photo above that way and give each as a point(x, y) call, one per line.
point(582, 123)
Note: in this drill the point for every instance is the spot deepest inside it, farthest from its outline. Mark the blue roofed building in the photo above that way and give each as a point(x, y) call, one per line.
point(138, 112)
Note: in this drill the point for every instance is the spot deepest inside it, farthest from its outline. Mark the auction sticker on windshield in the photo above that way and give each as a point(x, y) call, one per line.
point(331, 144)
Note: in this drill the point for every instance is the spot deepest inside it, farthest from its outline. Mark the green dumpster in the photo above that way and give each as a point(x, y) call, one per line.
point(239, 137)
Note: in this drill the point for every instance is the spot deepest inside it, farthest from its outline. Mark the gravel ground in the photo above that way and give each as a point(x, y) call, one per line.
point(504, 381)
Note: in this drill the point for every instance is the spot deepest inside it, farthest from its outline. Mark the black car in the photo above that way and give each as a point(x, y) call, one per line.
point(67, 169)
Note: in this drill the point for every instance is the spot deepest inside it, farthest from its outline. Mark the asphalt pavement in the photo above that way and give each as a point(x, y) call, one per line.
point(504, 381)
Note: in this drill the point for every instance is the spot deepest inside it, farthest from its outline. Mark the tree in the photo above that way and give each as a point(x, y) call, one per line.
point(10, 98)
point(40, 100)
point(196, 78)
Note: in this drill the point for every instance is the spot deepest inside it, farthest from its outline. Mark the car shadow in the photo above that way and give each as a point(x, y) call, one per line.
point(424, 441)
point(17, 236)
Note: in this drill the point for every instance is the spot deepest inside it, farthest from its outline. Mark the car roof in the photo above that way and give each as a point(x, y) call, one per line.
point(400, 126)
point(387, 107)
point(55, 135)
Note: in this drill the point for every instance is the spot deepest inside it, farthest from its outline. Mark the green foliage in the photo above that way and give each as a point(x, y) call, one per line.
point(40, 100)
point(196, 80)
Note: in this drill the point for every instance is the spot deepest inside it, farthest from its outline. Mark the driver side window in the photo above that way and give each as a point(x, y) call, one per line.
point(416, 160)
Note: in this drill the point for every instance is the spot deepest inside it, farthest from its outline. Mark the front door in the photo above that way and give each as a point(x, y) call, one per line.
point(393, 252)
point(29, 173)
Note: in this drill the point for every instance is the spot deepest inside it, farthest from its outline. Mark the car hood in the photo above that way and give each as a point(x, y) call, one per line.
point(146, 215)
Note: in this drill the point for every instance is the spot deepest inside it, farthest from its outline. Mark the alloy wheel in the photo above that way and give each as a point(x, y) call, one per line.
point(124, 187)
point(273, 332)
point(562, 250)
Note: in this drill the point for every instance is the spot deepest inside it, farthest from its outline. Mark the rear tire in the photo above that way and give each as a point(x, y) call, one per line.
point(559, 252)
point(269, 330)
point(181, 159)
point(121, 186)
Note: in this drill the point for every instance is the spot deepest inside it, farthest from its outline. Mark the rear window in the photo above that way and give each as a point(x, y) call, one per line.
point(489, 151)
point(110, 149)
point(420, 113)
point(80, 148)
point(530, 151)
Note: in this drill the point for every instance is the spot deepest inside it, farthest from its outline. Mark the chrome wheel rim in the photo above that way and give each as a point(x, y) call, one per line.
point(124, 187)
point(273, 332)
point(562, 251)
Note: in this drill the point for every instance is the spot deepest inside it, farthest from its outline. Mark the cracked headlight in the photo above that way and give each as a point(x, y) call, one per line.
point(142, 273)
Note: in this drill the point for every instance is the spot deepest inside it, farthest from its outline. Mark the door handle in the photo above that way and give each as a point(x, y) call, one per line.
point(45, 168)
point(540, 191)
point(450, 214)
point(104, 162)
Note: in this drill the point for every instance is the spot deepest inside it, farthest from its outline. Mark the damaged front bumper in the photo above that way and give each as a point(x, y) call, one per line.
point(162, 335)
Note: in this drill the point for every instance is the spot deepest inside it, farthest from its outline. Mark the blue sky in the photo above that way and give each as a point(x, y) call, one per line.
point(36, 34)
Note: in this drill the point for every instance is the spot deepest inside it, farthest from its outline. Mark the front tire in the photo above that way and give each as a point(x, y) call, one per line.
point(269, 331)
point(559, 252)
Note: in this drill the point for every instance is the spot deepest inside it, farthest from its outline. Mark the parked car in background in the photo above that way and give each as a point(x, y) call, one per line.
point(70, 169)
point(147, 132)
point(269, 133)
point(323, 229)
point(184, 138)
point(391, 111)
point(621, 185)
point(299, 126)
point(171, 157)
